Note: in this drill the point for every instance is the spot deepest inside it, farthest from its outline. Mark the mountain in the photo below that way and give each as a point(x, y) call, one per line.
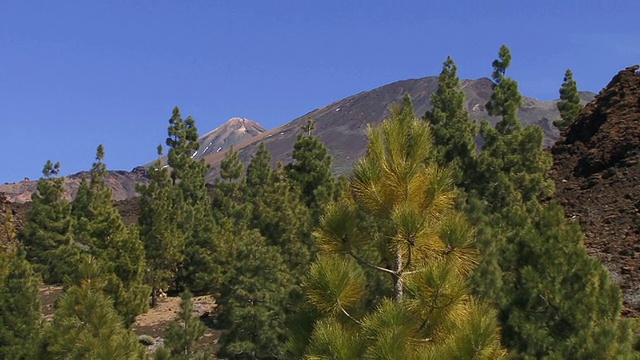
point(122, 183)
point(597, 174)
point(341, 125)
point(232, 133)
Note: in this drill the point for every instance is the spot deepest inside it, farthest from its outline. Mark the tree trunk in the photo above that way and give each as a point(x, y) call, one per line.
point(398, 284)
point(154, 297)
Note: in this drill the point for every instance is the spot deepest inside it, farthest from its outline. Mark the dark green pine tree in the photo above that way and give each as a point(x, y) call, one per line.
point(184, 333)
point(86, 325)
point(513, 165)
point(277, 211)
point(100, 228)
point(228, 200)
point(48, 230)
point(97, 221)
point(127, 282)
point(182, 141)
point(21, 319)
point(554, 301)
point(188, 174)
point(569, 104)
point(506, 99)
point(231, 169)
point(253, 300)
point(259, 172)
point(283, 219)
point(311, 171)
point(163, 241)
point(191, 206)
point(454, 132)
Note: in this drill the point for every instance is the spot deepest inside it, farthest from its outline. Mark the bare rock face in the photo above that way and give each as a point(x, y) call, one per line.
point(597, 173)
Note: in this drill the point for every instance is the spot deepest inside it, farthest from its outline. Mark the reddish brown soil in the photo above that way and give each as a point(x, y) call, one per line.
point(597, 173)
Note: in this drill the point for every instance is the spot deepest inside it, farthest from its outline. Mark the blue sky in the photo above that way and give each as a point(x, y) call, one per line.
point(75, 74)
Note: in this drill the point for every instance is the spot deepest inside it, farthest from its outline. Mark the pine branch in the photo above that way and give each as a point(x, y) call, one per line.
point(366, 263)
point(349, 316)
point(412, 242)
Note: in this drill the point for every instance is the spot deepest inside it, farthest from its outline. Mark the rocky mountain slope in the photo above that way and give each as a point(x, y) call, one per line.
point(232, 133)
point(122, 183)
point(341, 125)
point(597, 172)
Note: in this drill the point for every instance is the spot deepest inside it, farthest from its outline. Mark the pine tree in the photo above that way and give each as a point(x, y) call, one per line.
point(231, 168)
point(553, 300)
point(512, 166)
point(569, 104)
point(21, 319)
point(254, 299)
point(259, 172)
point(185, 331)
point(228, 190)
point(454, 132)
point(311, 171)
point(97, 220)
point(163, 242)
point(183, 143)
point(505, 99)
point(188, 174)
point(191, 206)
point(48, 231)
point(283, 219)
point(128, 284)
point(86, 325)
point(278, 212)
point(424, 247)
point(101, 229)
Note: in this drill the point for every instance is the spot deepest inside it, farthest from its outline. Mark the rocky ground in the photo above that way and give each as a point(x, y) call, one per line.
point(156, 321)
point(597, 172)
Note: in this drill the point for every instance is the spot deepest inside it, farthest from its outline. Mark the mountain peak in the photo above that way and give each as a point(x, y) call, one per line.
point(237, 120)
point(232, 133)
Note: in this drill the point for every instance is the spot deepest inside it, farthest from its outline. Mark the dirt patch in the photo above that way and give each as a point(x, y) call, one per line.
point(48, 296)
point(156, 321)
point(597, 175)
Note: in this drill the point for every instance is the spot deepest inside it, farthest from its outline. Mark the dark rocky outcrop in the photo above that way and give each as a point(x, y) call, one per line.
point(597, 172)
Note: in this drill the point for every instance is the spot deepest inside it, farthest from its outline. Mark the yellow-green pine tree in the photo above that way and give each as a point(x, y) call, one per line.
point(425, 248)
